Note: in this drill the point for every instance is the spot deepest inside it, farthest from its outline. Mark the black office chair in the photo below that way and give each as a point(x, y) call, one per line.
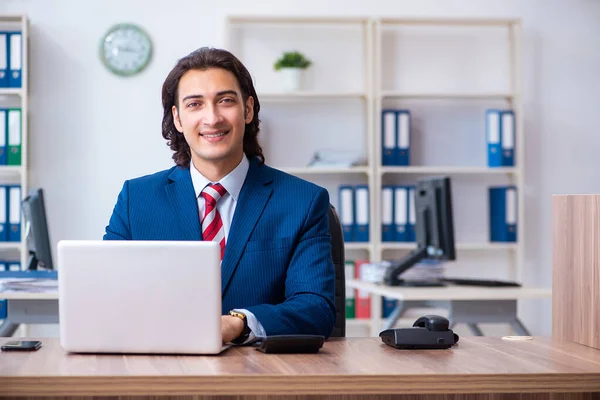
point(338, 256)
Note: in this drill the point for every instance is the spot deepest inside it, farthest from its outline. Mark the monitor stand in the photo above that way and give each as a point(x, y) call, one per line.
point(391, 276)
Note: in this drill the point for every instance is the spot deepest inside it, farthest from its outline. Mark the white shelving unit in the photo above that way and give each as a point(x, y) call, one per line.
point(373, 94)
point(17, 97)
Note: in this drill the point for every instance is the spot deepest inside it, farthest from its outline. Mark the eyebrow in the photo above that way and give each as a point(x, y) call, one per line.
point(221, 93)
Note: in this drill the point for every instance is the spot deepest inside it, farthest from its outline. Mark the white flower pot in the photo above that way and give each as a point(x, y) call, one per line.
point(292, 79)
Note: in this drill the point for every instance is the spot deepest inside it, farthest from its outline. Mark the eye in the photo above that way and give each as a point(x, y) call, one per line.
point(193, 104)
point(227, 100)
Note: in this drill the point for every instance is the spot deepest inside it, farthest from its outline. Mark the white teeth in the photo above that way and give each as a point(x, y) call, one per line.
point(215, 135)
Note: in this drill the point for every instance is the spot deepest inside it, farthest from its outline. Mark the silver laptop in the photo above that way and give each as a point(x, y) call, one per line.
point(140, 297)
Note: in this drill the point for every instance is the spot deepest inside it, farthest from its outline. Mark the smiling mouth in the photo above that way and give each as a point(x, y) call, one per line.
point(214, 135)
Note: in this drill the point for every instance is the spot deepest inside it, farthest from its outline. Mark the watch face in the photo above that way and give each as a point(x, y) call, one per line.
point(125, 49)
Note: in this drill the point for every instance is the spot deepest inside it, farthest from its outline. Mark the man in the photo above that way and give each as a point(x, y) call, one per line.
point(277, 272)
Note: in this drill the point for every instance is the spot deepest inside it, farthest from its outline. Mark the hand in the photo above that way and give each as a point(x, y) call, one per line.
point(231, 327)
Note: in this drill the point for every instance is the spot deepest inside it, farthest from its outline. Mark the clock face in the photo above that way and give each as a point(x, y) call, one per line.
point(125, 49)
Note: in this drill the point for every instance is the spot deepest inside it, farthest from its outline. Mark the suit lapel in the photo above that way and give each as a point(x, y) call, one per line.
point(253, 198)
point(181, 194)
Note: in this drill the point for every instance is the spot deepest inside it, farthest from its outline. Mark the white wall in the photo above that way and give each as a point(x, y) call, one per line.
point(91, 130)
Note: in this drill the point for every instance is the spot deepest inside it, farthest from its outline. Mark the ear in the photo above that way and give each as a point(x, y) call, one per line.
point(176, 119)
point(249, 110)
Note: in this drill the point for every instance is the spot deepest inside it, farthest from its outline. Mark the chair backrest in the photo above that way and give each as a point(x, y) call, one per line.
point(338, 256)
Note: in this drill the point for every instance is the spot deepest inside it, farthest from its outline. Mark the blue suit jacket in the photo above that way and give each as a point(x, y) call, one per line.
point(277, 261)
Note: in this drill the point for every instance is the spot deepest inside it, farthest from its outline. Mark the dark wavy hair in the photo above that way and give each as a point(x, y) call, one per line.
point(202, 59)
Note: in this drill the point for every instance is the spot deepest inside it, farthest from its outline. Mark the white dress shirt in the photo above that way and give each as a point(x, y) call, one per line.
point(233, 183)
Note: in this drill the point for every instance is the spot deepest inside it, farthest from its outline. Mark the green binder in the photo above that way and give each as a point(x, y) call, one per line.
point(14, 137)
point(350, 302)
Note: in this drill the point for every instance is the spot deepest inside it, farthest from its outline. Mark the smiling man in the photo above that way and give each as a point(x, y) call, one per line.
point(277, 272)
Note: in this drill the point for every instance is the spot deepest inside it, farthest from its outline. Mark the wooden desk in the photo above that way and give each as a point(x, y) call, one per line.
point(470, 305)
point(477, 368)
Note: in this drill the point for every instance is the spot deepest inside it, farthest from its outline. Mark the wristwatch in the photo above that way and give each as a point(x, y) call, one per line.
point(245, 332)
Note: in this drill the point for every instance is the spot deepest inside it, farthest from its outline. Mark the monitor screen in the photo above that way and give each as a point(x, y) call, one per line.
point(36, 230)
point(434, 229)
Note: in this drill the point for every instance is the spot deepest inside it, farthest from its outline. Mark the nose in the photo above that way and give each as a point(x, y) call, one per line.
point(211, 116)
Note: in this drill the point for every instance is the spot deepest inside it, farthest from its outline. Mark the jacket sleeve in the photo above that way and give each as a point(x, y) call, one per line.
point(309, 306)
point(118, 227)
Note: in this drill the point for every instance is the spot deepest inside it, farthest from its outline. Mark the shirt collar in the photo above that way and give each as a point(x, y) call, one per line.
point(232, 182)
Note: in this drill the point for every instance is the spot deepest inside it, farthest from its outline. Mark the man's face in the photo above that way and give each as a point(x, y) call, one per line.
point(212, 116)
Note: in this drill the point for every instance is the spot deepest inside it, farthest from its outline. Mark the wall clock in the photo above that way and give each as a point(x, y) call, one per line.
point(125, 49)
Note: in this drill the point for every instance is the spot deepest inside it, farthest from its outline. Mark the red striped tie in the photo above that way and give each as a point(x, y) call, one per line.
point(212, 225)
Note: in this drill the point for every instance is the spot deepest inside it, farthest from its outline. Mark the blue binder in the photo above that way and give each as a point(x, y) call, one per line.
point(3, 214)
point(4, 57)
point(14, 213)
point(388, 227)
point(401, 213)
point(388, 137)
point(361, 213)
point(503, 214)
point(3, 135)
point(412, 215)
point(346, 207)
point(3, 307)
point(403, 137)
point(15, 64)
point(492, 127)
point(508, 138)
point(387, 306)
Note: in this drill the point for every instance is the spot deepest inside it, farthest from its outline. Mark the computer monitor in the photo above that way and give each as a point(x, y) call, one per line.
point(434, 229)
point(36, 230)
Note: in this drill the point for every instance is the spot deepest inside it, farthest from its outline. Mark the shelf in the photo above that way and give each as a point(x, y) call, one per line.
point(10, 170)
point(448, 96)
point(309, 95)
point(10, 246)
point(326, 170)
point(459, 246)
point(355, 322)
point(449, 170)
point(266, 19)
point(358, 246)
point(11, 91)
point(450, 21)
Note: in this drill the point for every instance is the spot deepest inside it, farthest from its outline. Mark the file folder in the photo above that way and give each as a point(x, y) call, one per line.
point(401, 213)
point(403, 140)
point(3, 134)
point(361, 198)
point(388, 137)
point(3, 214)
point(492, 126)
point(15, 59)
point(350, 296)
point(346, 208)
point(508, 138)
point(388, 227)
point(412, 215)
point(388, 305)
point(14, 266)
point(13, 156)
point(4, 60)
point(14, 213)
point(503, 214)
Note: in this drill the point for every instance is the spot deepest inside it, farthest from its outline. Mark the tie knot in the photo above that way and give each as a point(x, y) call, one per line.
point(212, 193)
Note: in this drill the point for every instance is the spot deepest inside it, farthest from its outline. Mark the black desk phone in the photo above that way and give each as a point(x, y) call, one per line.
point(428, 332)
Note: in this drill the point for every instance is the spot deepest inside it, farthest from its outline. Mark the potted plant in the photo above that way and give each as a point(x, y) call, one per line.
point(292, 65)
